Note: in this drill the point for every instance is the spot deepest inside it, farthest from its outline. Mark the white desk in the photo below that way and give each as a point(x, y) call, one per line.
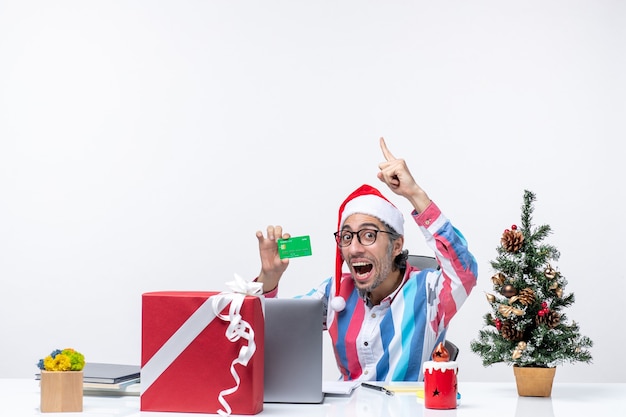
point(20, 397)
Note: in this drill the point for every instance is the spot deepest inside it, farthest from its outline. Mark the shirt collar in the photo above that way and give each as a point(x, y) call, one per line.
point(389, 299)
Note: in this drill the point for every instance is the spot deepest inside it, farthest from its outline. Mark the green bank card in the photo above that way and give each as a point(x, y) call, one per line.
point(294, 247)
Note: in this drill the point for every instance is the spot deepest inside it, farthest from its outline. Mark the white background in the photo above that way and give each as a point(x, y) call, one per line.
point(142, 144)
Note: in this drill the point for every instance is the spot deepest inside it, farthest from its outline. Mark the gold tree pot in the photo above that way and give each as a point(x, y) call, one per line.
point(534, 382)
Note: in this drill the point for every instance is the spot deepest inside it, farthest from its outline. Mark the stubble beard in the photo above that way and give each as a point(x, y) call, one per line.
point(382, 274)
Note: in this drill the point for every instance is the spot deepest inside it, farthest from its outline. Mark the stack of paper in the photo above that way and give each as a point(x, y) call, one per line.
point(339, 387)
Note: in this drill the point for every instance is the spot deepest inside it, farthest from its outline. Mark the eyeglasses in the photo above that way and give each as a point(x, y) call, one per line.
point(366, 237)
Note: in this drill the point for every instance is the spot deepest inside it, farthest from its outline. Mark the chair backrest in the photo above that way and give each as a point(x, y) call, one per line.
point(423, 262)
point(452, 349)
point(429, 262)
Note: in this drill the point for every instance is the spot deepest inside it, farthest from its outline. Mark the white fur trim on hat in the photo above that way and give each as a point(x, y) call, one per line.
point(376, 206)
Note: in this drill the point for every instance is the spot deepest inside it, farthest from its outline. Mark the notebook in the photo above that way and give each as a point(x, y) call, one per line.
point(109, 373)
point(293, 350)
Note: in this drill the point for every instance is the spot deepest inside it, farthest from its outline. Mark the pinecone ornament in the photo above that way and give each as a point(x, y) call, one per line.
point(512, 240)
point(549, 318)
point(526, 296)
point(509, 332)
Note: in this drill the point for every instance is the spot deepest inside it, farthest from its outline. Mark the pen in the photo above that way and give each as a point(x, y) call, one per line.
point(376, 387)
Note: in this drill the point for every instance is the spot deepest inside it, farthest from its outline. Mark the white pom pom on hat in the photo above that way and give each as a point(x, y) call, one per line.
point(364, 200)
point(338, 303)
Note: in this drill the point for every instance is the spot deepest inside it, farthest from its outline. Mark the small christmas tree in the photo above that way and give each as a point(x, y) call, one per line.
point(528, 326)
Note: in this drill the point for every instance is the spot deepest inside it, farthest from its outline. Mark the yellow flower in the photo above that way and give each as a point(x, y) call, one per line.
point(62, 360)
point(58, 363)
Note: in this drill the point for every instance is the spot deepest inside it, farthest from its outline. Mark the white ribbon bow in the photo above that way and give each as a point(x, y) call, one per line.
point(237, 329)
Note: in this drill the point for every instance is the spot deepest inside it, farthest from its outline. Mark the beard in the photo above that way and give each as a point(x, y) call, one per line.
point(383, 269)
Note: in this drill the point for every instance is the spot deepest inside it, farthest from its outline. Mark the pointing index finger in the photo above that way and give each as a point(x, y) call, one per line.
point(383, 146)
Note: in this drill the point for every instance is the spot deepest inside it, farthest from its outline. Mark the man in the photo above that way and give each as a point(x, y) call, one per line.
point(384, 316)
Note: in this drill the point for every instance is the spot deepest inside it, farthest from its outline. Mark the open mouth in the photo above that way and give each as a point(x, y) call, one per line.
point(362, 268)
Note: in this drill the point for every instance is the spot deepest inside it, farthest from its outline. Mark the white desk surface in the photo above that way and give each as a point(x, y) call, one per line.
point(20, 397)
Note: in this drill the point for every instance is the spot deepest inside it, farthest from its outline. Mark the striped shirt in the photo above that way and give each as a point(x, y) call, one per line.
point(390, 341)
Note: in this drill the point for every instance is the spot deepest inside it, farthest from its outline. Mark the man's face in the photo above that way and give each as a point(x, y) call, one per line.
point(369, 265)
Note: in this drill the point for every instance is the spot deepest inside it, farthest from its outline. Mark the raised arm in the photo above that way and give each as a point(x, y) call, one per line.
point(395, 173)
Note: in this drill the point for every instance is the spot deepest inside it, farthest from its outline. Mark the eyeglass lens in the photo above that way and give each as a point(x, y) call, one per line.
point(365, 237)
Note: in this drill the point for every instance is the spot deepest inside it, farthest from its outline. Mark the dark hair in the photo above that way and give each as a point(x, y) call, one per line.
point(401, 259)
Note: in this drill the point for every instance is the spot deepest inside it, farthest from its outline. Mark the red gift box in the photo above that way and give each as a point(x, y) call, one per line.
point(186, 357)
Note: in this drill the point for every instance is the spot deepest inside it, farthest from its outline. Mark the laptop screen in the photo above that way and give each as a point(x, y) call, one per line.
point(293, 350)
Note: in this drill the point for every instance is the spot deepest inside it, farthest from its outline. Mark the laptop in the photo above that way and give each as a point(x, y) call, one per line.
point(293, 350)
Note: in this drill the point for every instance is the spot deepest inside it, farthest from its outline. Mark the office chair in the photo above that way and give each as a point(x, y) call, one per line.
point(423, 262)
point(452, 349)
point(429, 262)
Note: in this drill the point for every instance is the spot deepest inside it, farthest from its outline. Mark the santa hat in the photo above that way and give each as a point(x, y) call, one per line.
point(364, 200)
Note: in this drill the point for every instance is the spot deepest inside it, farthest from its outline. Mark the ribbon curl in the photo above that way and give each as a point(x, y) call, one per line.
point(237, 328)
